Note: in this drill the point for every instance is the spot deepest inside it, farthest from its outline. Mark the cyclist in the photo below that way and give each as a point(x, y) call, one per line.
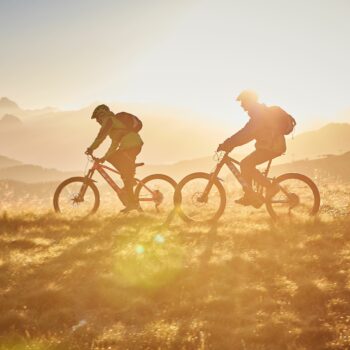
point(270, 143)
point(126, 145)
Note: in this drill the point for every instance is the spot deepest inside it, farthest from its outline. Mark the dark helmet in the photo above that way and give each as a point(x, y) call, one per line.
point(99, 110)
point(247, 95)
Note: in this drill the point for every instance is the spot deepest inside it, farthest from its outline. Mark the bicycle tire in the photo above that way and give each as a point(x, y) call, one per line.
point(72, 180)
point(308, 182)
point(152, 177)
point(178, 197)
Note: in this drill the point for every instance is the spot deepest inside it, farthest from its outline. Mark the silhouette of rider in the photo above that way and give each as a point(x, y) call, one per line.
point(269, 144)
point(126, 145)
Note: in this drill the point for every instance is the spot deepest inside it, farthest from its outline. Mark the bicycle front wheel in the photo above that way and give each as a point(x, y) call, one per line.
point(197, 199)
point(76, 196)
point(298, 197)
point(155, 193)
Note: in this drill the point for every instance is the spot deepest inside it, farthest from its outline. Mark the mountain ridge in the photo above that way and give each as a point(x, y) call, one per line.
point(58, 139)
point(335, 166)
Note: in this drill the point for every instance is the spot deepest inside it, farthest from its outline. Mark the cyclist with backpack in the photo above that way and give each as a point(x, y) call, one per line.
point(126, 144)
point(267, 125)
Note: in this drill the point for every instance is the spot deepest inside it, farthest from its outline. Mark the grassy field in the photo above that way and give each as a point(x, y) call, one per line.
point(114, 282)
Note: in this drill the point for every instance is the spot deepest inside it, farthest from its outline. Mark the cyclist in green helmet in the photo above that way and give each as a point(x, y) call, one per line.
point(125, 146)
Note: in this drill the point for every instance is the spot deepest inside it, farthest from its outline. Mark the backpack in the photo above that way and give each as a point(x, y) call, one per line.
point(284, 123)
point(131, 122)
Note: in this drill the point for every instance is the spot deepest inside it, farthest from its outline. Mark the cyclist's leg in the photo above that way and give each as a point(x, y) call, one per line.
point(124, 162)
point(127, 173)
point(116, 159)
point(248, 166)
point(249, 172)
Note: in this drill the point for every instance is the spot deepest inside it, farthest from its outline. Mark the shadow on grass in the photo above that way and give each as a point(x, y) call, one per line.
point(131, 282)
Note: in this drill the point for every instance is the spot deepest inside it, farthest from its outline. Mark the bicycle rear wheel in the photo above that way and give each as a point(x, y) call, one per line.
point(191, 203)
point(76, 196)
point(298, 197)
point(155, 193)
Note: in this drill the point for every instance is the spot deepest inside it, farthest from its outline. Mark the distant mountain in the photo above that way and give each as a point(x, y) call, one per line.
point(33, 174)
point(10, 121)
point(333, 138)
point(14, 170)
point(6, 162)
point(7, 104)
point(180, 169)
point(58, 139)
point(334, 166)
point(331, 166)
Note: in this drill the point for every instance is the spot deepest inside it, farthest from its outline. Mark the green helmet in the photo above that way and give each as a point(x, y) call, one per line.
point(247, 95)
point(99, 110)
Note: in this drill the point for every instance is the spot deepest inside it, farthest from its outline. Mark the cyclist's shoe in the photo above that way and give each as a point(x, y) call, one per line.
point(253, 199)
point(130, 208)
point(257, 201)
point(245, 200)
point(272, 191)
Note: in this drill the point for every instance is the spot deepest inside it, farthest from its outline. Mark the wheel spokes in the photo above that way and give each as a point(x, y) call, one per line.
point(196, 203)
point(156, 195)
point(71, 202)
point(294, 198)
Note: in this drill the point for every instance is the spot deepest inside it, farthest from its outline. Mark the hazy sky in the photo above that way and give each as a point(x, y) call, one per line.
point(194, 54)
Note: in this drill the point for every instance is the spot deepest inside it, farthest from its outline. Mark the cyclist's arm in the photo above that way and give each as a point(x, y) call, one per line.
point(243, 136)
point(102, 134)
point(113, 147)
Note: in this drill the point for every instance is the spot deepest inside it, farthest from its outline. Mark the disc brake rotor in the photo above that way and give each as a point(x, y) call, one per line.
point(197, 199)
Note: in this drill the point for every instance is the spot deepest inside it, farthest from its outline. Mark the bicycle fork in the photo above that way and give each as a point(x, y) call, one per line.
point(214, 175)
point(85, 185)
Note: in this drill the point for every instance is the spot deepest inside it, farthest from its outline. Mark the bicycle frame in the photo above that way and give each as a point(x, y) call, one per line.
point(230, 163)
point(101, 170)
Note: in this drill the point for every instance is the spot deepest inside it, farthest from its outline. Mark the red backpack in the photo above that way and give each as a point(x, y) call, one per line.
point(131, 122)
point(283, 122)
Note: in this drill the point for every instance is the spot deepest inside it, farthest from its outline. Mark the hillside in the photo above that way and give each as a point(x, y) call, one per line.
point(10, 121)
point(331, 166)
point(32, 173)
point(179, 169)
point(114, 282)
point(58, 139)
point(331, 139)
point(7, 105)
point(6, 162)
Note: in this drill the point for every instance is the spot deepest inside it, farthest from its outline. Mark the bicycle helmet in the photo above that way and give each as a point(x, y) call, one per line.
point(99, 110)
point(247, 95)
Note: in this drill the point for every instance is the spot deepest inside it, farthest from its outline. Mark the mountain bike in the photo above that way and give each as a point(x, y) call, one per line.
point(80, 195)
point(201, 197)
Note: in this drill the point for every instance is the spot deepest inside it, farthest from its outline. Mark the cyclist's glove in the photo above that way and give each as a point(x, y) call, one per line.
point(88, 151)
point(225, 147)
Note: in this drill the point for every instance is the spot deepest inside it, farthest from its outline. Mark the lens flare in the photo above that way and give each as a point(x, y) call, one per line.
point(156, 259)
point(139, 249)
point(159, 238)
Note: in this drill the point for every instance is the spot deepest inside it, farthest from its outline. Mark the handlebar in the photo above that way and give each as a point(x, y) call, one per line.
point(219, 155)
point(92, 158)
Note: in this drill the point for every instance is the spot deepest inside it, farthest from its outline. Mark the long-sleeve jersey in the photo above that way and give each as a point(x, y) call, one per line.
point(121, 137)
point(260, 128)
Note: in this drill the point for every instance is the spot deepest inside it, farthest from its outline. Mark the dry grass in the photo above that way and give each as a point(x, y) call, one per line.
point(114, 282)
